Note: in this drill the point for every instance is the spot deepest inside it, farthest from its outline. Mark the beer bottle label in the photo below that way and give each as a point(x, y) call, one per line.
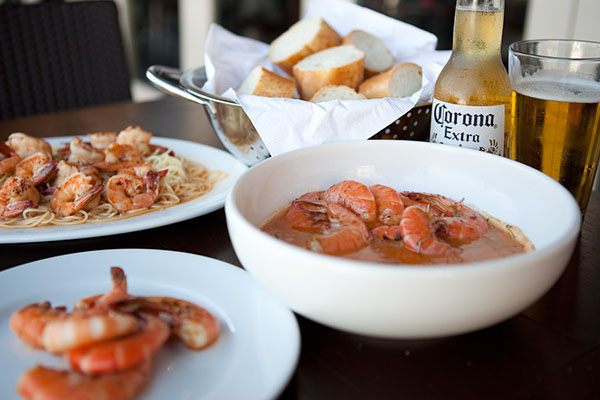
point(475, 127)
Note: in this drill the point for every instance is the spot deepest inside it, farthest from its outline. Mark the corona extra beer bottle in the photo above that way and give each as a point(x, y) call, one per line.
point(472, 95)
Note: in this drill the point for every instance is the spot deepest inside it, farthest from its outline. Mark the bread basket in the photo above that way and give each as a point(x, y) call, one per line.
point(235, 130)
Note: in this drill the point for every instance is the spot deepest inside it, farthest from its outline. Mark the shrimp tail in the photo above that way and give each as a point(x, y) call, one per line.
point(44, 173)
point(119, 288)
point(5, 150)
point(88, 196)
point(49, 190)
point(151, 179)
point(158, 149)
point(16, 208)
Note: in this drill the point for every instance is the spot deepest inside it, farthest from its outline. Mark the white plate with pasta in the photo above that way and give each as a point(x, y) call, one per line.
point(253, 357)
point(216, 172)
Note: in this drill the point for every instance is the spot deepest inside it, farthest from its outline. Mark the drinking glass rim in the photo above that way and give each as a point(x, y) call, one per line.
point(512, 49)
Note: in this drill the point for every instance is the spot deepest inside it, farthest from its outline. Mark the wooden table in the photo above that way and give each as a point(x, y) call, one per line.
point(549, 351)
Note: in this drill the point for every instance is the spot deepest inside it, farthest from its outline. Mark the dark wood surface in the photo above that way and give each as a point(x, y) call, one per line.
point(549, 351)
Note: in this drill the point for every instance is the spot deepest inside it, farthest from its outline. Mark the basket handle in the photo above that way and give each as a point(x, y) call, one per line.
point(167, 79)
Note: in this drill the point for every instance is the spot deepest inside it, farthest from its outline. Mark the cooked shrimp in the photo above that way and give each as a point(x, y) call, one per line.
point(117, 293)
point(38, 167)
point(418, 233)
point(116, 152)
point(64, 170)
point(81, 329)
point(56, 330)
point(29, 322)
point(84, 153)
point(193, 325)
point(136, 137)
point(42, 383)
point(101, 140)
point(76, 193)
point(354, 196)
point(25, 145)
point(16, 195)
point(303, 219)
point(9, 161)
point(121, 353)
point(139, 169)
point(421, 200)
point(391, 232)
point(457, 221)
point(129, 192)
point(94, 323)
point(308, 213)
point(346, 233)
point(389, 204)
point(105, 301)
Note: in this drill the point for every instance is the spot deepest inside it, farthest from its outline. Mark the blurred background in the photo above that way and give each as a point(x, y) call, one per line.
point(172, 32)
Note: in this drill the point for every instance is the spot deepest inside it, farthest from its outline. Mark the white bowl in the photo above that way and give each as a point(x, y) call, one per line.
point(404, 301)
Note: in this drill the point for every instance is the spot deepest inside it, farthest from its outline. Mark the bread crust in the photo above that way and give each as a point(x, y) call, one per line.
point(326, 37)
point(378, 86)
point(310, 81)
point(272, 85)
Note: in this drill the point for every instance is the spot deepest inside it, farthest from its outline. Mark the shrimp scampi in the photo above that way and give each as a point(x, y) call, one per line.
point(9, 159)
point(25, 145)
point(38, 167)
point(128, 192)
point(74, 194)
point(16, 195)
point(96, 177)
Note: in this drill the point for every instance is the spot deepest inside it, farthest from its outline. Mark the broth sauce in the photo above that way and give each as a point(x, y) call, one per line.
point(494, 239)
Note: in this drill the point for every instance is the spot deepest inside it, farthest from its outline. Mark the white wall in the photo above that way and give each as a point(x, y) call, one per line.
point(562, 19)
point(195, 17)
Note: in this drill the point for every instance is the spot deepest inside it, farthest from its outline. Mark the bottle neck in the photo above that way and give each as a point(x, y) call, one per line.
point(478, 28)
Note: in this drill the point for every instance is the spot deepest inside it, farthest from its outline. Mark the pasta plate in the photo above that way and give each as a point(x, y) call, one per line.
point(212, 159)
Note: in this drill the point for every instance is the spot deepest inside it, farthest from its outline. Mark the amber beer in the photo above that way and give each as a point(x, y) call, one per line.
point(472, 95)
point(555, 111)
point(557, 131)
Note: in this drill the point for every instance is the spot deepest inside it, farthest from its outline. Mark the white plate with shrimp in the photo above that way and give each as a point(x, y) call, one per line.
point(211, 158)
point(253, 358)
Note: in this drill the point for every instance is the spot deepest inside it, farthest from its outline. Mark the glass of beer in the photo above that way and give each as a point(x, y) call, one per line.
point(555, 112)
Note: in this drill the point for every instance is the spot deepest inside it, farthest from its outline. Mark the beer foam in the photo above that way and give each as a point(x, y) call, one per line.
point(571, 90)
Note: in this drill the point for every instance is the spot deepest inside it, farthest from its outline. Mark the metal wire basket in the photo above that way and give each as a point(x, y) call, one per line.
point(235, 130)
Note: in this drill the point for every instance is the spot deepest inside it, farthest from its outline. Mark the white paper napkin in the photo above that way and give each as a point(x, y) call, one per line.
point(288, 124)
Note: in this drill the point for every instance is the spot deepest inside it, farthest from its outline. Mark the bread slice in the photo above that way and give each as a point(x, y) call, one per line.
point(401, 81)
point(262, 82)
point(377, 55)
point(336, 92)
point(340, 65)
point(302, 39)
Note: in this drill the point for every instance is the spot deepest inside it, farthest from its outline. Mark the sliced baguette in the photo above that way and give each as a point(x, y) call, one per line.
point(401, 81)
point(302, 39)
point(340, 65)
point(336, 92)
point(377, 56)
point(262, 82)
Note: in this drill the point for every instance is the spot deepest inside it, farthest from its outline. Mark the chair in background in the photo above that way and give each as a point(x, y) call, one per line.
point(59, 55)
